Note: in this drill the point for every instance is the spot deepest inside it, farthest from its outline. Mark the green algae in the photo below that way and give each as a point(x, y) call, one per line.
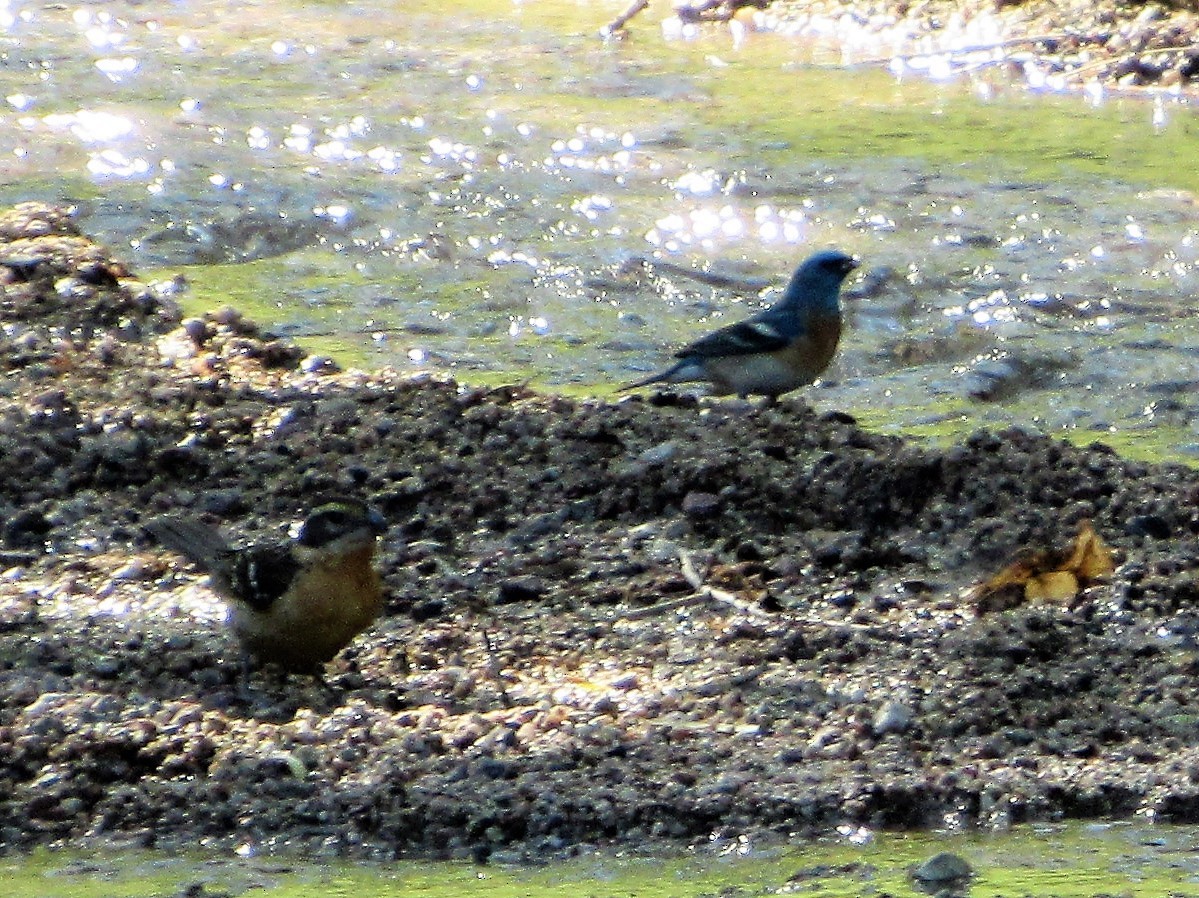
point(944, 422)
point(1074, 861)
point(310, 295)
point(309, 306)
point(868, 114)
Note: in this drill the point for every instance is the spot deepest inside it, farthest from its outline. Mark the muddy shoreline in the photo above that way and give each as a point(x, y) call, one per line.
point(546, 675)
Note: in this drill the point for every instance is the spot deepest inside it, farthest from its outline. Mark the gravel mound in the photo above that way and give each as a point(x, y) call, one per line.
point(638, 623)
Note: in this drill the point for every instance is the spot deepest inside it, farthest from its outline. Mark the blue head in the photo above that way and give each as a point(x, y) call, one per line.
point(816, 284)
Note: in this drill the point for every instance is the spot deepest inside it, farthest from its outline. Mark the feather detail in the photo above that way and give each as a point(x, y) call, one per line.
point(743, 338)
point(190, 537)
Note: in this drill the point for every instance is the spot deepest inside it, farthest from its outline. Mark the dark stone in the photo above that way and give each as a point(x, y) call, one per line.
point(26, 529)
point(521, 589)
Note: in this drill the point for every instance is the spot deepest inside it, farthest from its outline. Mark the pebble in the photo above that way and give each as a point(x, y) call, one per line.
point(943, 867)
point(659, 454)
point(521, 589)
point(319, 364)
point(107, 667)
point(222, 502)
point(227, 316)
point(196, 330)
point(892, 717)
point(135, 569)
point(700, 504)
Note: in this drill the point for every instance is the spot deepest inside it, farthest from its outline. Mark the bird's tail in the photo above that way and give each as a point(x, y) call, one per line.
point(656, 379)
point(191, 537)
point(662, 377)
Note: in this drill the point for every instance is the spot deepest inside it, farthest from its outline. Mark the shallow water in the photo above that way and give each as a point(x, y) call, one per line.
point(491, 192)
point(1076, 861)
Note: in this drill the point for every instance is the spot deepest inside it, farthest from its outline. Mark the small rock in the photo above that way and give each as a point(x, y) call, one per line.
point(135, 569)
point(539, 526)
point(626, 682)
point(659, 454)
point(319, 364)
point(54, 399)
point(227, 316)
point(749, 551)
point(196, 329)
point(176, 346)
point(943, 867)
point(892, 717)
point(1152, 525)
point(700, 505)
point(521, 589)
point(339, 413)
point(792, 755)
point(25, 529)
point(107, 668)
point(222, 502)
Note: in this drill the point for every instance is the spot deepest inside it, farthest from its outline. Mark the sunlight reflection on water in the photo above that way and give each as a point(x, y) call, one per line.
point(523, 183)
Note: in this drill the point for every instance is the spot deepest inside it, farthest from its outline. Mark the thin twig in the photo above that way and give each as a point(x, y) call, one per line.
point(621, 20)
point(495, 664)
point(695, 598)
point(703, 594)
point(738, 603)
point(747, 284)
point(974, 48)
point(690, 574)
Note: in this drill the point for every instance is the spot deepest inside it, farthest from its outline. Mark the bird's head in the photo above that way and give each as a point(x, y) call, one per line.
point(817, 282)
point(342, 525)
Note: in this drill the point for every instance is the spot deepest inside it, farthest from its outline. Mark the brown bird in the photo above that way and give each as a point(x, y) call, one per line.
point(294, 603)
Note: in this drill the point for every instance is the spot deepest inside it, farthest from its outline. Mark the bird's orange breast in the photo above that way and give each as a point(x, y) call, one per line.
point(812, 353)
point(327, 605)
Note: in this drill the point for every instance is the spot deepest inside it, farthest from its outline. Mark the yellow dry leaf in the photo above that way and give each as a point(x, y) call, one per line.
point(1092, 558)
point(1047, 575)
point(1054, 586)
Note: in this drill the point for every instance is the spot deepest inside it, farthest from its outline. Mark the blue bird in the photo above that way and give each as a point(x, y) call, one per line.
point(783, 347)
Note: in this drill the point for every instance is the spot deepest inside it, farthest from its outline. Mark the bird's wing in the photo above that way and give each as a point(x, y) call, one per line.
point(755, 335)
point(258, 575)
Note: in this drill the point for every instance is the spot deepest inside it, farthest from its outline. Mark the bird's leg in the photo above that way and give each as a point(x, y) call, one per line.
point(245, 670)
point(318, 677)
